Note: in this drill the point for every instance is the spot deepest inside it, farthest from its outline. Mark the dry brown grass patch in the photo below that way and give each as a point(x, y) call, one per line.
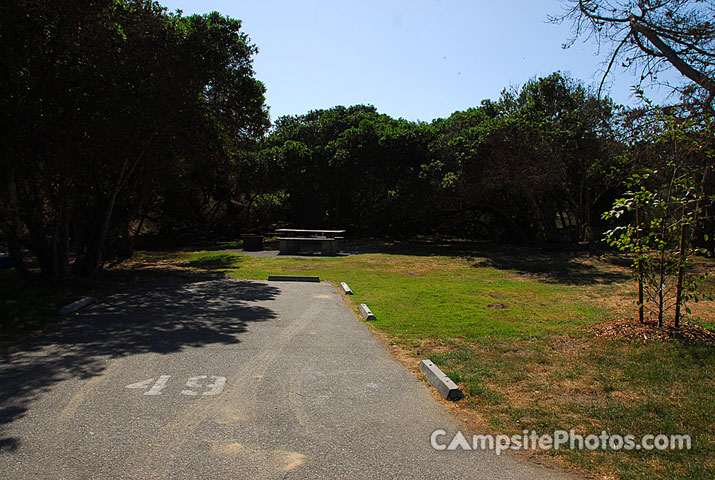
point(632, 330)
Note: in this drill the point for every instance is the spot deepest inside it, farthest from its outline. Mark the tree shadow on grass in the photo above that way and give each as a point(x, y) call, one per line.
point(159, 316)
point(216, 261)
point(566, 266)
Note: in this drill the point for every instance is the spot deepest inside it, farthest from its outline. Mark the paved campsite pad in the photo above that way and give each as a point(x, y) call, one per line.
point(224, 379)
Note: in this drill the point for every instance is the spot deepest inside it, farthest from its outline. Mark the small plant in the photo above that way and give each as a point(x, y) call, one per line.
point(667, 207)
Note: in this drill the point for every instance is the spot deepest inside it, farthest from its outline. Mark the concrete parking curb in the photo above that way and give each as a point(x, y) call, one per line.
point(292, 278)
point(366, 312)
point(76, 306)
point(345, 288)
point(444, 385)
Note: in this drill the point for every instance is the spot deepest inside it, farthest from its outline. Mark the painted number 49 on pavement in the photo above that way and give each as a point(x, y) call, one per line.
point(200, 385)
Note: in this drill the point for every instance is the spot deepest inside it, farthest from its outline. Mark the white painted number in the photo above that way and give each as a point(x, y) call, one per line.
point(154, 390)
point(193, 382)
point(158, 386)
point(213, 388)
point(142, 384)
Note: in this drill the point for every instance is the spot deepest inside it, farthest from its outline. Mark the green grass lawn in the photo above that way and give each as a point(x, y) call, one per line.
point(533, 365)
point(437, 298)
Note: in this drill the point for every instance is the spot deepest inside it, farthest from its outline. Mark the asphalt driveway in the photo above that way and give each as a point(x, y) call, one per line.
point(224, 379)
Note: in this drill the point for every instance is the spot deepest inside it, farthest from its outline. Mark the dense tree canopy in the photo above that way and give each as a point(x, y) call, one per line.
point(121, 119)
point(108, 108)
point(536, 162)
point(349, 166)
point(534, 166)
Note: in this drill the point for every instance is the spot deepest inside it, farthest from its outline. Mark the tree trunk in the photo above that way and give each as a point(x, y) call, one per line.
point(64, 250)
point(36, 227)
point(681, 271)
point(15, 236)
point(95, 256)
point(546, 227)
point(639, 223)
point(513, 226)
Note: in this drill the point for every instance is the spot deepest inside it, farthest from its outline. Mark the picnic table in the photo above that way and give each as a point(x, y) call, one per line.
point(295, 237)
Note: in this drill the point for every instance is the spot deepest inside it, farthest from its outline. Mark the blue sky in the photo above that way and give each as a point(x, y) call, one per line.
point(415, 59)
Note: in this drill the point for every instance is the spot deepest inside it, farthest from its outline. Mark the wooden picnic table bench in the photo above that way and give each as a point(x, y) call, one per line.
point(290, 244)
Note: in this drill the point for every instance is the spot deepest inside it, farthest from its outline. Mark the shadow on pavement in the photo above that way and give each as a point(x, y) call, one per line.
point(160, 316)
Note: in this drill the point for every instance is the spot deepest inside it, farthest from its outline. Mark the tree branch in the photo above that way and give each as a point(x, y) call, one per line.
point(593, 16)
point(698, 77)
point(644, 48)
point(610, 64)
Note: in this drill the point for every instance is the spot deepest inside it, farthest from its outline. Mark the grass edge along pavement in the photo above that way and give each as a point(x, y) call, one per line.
point(519, 343)
point(537, 378)
point(521, 347)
